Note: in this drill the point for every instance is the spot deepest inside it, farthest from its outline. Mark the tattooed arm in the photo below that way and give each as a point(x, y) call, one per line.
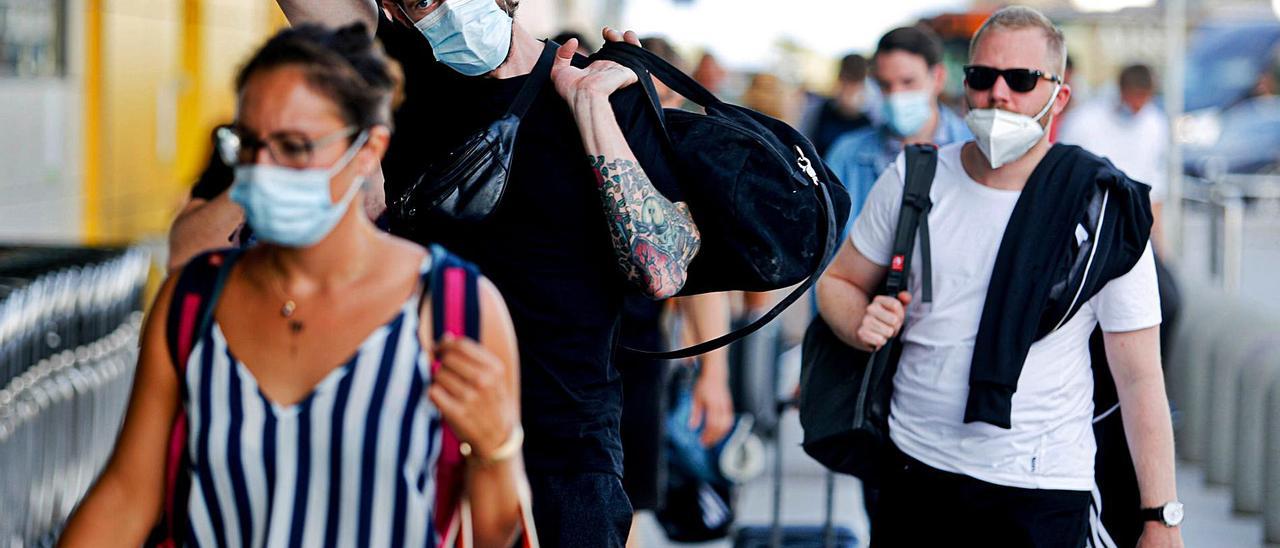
point(653, 239)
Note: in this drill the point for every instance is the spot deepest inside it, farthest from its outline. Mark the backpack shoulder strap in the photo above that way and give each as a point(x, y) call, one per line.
point(455, 309)
point(191, 309)
point(194, 298)
point(455, 302)
point(922, 164)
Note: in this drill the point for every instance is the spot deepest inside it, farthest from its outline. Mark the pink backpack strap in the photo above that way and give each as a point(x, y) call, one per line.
point(456, 311)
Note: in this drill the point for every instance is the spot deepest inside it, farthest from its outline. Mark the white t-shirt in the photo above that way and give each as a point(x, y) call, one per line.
point(1051, 444)
point(1136, 143)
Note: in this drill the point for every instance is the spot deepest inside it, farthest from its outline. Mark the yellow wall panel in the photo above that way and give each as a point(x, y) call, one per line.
point(141, 82)
point(165, 80)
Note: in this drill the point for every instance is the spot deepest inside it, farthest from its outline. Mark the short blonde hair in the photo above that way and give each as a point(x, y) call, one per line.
point(1022, 17)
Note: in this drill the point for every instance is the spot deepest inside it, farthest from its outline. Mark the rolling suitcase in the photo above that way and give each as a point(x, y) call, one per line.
point(776, 535)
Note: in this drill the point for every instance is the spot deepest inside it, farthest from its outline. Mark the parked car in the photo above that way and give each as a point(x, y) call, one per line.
point(1232, 120)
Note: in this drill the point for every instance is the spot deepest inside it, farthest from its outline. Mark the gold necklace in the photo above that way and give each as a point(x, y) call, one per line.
point(289, 307)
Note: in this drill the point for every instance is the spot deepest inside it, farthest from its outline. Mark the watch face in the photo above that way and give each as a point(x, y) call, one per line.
point(1173, 514)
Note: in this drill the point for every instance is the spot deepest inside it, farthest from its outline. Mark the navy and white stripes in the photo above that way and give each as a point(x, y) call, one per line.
point(349, 465)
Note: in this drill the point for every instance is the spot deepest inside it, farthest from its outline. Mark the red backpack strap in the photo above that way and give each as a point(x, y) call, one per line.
point(195, 297)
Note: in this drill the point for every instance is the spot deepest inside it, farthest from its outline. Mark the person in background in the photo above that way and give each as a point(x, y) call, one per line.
point(773, 96)
point(209, 220)
point(710, 73)
point(907, 66)
point(1130, 130)
point(1111, 127)
point(845, 110)
point(313, 403)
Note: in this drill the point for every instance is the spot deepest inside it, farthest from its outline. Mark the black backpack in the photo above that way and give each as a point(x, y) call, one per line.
point(845, 392)
point(769, 210)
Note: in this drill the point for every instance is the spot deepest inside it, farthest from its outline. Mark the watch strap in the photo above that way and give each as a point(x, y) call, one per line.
point(1152, 514)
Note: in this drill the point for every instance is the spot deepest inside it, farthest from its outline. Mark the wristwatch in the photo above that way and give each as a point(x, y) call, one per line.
point(1170, 514)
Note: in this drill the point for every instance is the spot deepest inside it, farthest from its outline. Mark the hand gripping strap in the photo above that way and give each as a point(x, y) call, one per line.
point(455, 309)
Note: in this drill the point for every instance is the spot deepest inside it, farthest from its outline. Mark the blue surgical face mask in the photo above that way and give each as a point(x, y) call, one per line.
point(908, 111)
point(292, 207)
point(469, 36)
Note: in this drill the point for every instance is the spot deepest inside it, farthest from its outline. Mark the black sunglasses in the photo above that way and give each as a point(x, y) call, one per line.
point(981, 78)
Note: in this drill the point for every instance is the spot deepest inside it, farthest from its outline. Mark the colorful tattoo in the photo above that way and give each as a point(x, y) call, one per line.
point(654, 238)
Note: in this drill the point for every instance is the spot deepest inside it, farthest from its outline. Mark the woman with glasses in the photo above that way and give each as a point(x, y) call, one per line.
point(313, 408)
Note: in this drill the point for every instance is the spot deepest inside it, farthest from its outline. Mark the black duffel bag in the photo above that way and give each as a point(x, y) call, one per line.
point(844, 392)
point(767, 207)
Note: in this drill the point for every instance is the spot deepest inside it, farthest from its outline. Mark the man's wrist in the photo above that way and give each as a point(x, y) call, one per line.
point(586, 102)
point(713, 369)
point(1167, 514)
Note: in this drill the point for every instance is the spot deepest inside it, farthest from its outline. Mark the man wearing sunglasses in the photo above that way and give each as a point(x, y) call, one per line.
point(1032, 246)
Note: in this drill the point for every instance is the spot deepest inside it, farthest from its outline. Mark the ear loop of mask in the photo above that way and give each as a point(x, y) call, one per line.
point(1052, 99)
point(342, 163)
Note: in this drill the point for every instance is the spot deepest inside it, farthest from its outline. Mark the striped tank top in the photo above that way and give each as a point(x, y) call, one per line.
point(351, 464)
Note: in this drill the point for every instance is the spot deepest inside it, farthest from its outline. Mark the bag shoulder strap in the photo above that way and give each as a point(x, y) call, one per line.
point(455, 309)
point(195, 297)
point(455, 302)
point(640, 59)
point(537, 79)
point(913, 217)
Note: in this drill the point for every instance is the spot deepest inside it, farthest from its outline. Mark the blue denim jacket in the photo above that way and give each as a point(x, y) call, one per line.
point(860, 156)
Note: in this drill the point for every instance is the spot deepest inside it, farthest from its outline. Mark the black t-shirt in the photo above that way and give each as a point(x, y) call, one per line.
point(546, 247)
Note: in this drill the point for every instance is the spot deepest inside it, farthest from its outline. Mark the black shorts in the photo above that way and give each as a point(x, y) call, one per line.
point(924, 506)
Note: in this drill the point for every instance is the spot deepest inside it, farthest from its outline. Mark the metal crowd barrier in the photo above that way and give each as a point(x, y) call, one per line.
point(69, 324)
point(1231, 354)
point(1224, 368)
point(1262, 367)
point(1271, 468)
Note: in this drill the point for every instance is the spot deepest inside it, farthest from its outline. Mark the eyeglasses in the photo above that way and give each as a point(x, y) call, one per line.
point(981, 78)
point(289, 149)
